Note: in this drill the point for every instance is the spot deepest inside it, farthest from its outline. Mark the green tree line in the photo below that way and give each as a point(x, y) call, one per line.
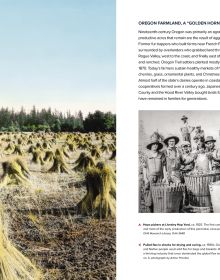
point(48, 120)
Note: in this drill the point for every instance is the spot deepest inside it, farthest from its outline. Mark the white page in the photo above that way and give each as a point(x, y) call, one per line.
point(130, 262)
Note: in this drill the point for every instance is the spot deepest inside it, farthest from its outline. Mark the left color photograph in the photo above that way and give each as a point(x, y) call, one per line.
point(57, 140)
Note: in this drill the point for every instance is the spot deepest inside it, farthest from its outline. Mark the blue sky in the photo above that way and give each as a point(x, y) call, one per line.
point(58, 53)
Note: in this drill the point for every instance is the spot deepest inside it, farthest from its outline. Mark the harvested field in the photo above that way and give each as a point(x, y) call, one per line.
point(43, 219)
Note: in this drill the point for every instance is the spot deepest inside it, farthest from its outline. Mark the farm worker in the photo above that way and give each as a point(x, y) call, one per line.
point(199, 133)
point(187, 165)
point(173, 159)
point(197, 140)
point(212, 153)
point(187, 158)
point(202, 162)
point(186, 130)
point(153, 169)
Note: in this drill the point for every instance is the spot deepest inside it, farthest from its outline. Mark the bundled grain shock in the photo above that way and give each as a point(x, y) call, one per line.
point(49, 156)
point(15, 172)
point(37, 156)
point(95, 152)
point(113, 155)
point(64, 151)
point(59, 164)
point(17, 150)
point(72, 147)
point(84, 162)
point(105, 148)
point(101, 192)
point(13, 264)
point(109, 175)
point(10, 148)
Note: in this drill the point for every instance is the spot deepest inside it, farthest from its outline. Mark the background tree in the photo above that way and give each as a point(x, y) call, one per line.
point(48, 120)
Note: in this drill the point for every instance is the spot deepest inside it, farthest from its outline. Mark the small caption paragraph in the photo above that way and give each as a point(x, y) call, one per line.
point(177, 250)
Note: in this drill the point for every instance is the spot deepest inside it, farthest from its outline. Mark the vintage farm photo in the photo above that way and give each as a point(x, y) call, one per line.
point(179, 161)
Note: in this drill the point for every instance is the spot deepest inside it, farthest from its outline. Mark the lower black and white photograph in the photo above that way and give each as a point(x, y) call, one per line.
point(179, 161)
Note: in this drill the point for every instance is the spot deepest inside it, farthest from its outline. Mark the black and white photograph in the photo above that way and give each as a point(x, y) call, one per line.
point(179, 161)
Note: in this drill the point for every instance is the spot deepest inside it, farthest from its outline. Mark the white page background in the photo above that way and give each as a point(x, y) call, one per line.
point(129, 255)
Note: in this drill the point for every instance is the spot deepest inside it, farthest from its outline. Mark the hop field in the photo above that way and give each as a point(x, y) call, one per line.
point(58, 195)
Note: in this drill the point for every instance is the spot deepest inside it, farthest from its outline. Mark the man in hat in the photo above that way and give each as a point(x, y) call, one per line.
point(202, 162)
point(173, 159)
point(186, 129)
point(153, 169)
point(197, 141)
point(199, 133)
point(212, 153)
point(187, 158)
point(187, 165)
